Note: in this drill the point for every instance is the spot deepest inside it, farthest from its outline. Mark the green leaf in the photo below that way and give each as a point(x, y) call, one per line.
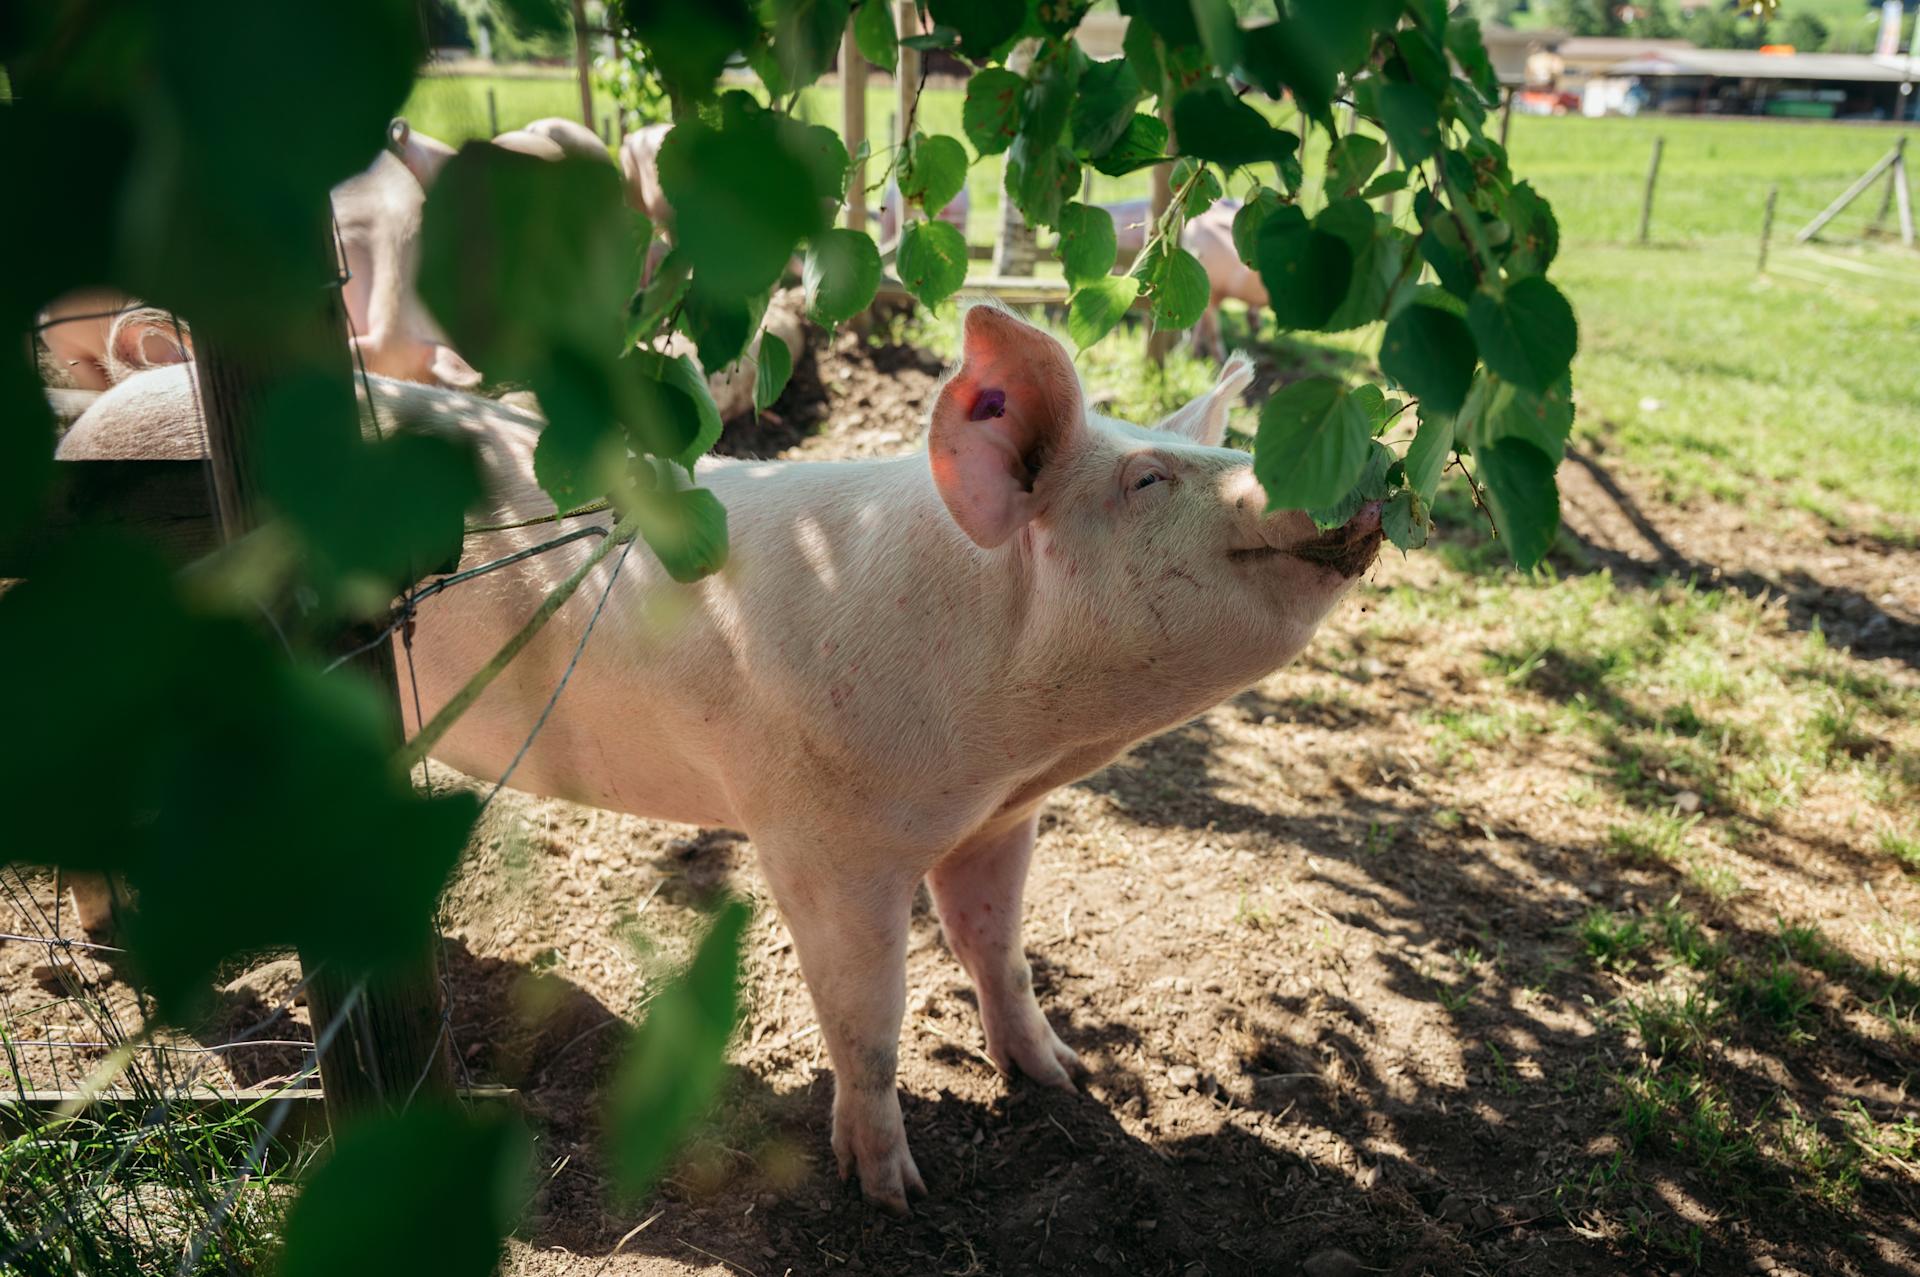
point(841, 274)
point(1390, 181)
point(1314, 441)
point(1048, 103)
point(1406, 521)
point(1171, 19)
point(520, 255)
point(932, 171)
point(1181, 291)
point(1219, 29)
point(1526, 334)
point(770, 377)
point(1103, 106)
point(1205, 188)
point(806, 36)
point(212, 701)
point(1088, 246)
point(678, 373)
point(1411, 122)
point(984, 25)
point(721, 324)
point(932, 261)
point(1431, 353)
point(1467, 48)
point(689, 44)
point(1370, 486)
point(650, 307)
point(1378, 254)
point(686, 528)
point(1142, 145)
point(822, 151)
point(422, 483)
point(430, 1189)
point(580, 450)
point(874, 35)
point(1213, 124)
point(1097, 305)
point(1498, 409)
point(991, 116)
point(1425, 62)
point(1307, 271)
point(1247, 222)
point(1042, 180)
point(1517, 481)
point(673, 1065)
point(1351, 160)
point(26, 444)
point(742, 198)
point(1535, 236)
point(1427, 454)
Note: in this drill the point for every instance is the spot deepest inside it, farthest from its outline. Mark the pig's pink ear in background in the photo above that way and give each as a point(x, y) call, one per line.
point(1012, 411)
point(1205, 419)
point(451, 370)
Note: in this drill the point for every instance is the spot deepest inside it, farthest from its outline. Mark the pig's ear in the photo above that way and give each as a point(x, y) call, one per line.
point(451, 370)
point(1205, 419)
point(1012, 412)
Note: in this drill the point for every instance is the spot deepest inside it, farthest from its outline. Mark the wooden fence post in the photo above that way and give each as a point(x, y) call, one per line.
point(493, 113)
point(1893, 183)
point(1506, 115)
point(1646, 198)
point(1852, 193)
point(853, 125)
point(583, 62)
point(389, 1047)
point(1766, 226)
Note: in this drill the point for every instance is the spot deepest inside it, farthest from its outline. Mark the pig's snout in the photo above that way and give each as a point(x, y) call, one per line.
point(1348, 549)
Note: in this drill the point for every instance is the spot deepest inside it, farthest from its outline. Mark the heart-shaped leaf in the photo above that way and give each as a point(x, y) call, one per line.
point(841, 274)
point(932, 261)
point(1526, 333)
point(1431, 352)
point(1313, 442)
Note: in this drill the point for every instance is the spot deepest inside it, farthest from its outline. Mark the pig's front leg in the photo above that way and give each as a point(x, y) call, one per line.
point(849, 930)
point(977, 889)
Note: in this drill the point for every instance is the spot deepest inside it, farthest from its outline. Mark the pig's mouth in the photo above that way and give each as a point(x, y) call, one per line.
point(1348, 549)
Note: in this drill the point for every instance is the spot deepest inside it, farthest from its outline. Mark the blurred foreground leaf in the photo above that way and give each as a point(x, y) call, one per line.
point(675, 1060)
point(430, 1190)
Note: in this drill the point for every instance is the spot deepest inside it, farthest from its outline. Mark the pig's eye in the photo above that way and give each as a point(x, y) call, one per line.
point(1147, 480)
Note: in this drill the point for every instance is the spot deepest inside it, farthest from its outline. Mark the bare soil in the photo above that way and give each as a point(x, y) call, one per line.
point(1330, 993)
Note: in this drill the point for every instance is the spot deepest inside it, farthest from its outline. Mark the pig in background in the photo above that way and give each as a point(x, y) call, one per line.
point(379, 216)
point(900, 660)
point(97, 337)
point(1209, 237)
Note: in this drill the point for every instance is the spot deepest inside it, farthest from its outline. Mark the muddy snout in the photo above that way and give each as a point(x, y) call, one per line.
point(1348, 549)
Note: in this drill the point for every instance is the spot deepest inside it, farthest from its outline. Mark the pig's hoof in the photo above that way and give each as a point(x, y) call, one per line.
point(1041, 1055)
point(887, 1179)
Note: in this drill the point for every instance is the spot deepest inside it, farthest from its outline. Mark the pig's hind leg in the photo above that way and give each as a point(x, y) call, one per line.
point(977, 890)
point(850, 932)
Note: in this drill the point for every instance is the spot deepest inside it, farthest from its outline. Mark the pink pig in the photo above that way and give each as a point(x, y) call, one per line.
point(901, 659)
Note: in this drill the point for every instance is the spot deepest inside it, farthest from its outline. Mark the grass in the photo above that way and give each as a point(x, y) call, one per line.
point(130, 1189)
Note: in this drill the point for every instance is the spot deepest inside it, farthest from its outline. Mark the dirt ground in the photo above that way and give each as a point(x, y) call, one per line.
point(1330, 986)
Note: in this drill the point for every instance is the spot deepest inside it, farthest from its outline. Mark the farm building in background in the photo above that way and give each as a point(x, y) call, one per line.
point(1689, 81)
